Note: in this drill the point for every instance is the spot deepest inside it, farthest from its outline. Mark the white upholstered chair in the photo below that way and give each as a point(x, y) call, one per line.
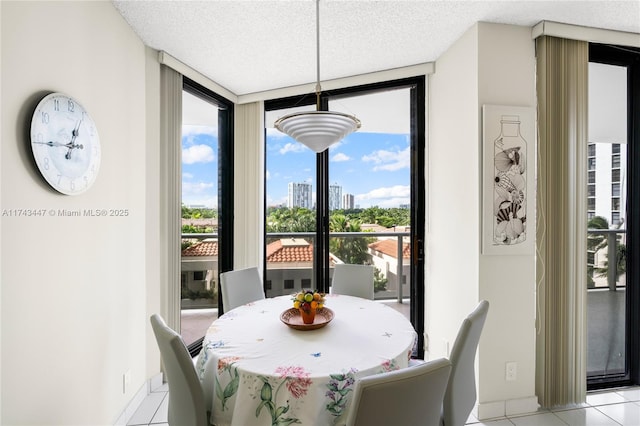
point(353, 280)
point(407, 397)
point(240, 287)
point(461, 390)
point(186, 397)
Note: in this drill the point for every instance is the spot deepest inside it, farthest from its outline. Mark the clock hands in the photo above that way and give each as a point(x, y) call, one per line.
point(71, 145)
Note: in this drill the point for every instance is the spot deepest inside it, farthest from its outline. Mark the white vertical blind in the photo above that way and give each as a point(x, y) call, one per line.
point(562, 67)
point(170, 209)
point(248, 185)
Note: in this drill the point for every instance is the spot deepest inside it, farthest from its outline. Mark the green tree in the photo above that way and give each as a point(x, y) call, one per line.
point(596, 242)
point(297, 219)
point(379, 281)
point(383, 217)
point(352, 250)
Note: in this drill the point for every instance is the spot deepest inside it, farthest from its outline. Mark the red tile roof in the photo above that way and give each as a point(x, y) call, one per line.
point(207, 247)
point(389, 247)
point(290, 250)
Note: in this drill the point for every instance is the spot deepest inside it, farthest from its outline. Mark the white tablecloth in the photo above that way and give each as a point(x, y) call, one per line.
point(258, 371)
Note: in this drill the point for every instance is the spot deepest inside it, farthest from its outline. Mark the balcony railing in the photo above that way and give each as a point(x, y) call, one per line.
point(199, 269)
point(606, 264)
point(396, 273)
point(199, 273)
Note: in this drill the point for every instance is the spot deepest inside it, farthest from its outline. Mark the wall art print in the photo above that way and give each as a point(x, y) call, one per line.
point(508, 180)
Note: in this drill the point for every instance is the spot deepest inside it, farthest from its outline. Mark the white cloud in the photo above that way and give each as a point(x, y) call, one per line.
point(273, 133)
point(268, 175)
point(187, 175)
point(190, 132)
point(339, 157)
point(385, 197)
point(210, 202)
point(277, 202)
point(193, 188)
point(389, 192)
point(198, 154)
point(389, 160)
point(292, 147)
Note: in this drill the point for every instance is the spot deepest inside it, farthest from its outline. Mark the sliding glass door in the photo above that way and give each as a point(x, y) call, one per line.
point(206, 141)
point(359, 202)
point(613, 294)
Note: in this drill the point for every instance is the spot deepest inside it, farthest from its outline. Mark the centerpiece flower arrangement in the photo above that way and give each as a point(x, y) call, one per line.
point(308, 301)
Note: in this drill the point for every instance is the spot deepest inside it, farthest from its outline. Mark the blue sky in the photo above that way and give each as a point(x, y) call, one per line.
point(373, 163)
point(374, 167)
point(200, 166)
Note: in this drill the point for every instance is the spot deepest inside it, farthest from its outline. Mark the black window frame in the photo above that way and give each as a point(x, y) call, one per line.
point(628, 57)
point(225, 183)
point(417, 86)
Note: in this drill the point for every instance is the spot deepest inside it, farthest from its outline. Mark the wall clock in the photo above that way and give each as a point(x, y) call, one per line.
point(65, 144)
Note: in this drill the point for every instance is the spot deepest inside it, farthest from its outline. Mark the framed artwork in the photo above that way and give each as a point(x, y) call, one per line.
point(508, 183)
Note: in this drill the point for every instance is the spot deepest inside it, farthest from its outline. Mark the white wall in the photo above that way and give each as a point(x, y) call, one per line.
point(490, 64)
point(74, 289)
point(452, 249)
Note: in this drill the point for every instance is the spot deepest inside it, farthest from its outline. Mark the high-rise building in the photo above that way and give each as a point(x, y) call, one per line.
point(607, 183)
point(299, 195)
point(348, 201)
point(335, 197)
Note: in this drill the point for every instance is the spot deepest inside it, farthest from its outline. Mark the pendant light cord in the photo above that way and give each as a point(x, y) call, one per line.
point(318, 89)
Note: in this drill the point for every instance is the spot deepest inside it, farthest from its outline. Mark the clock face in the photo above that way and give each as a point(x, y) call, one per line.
point(65, 144)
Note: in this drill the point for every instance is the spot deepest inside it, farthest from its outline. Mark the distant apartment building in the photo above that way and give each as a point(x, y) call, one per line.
point(606, 197)
point(348, 201)
point(607, 183)
point(335, 197)
point(300, 195)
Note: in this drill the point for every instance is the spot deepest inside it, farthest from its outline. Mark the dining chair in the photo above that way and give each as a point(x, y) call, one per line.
point(353, 280)
point(461, 389)
point(240, 287)
point(409, 396)
point(186, 397)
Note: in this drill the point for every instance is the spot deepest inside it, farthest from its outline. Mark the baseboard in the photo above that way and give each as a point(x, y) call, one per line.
point(509, 407)
point(149, 386)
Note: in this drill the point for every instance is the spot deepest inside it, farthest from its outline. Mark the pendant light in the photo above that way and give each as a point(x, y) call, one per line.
point(318, 130)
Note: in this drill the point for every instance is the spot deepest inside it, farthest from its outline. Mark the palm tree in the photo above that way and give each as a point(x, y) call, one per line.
point(596, 242)
point(349, 250)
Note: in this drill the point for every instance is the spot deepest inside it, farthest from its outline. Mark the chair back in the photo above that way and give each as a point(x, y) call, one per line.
point(353, 280)
point(186, 397)
point(240, 287)
point(410, 396)
point(461, 390)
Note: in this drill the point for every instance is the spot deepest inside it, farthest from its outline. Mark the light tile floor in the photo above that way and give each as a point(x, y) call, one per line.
point(620, 407)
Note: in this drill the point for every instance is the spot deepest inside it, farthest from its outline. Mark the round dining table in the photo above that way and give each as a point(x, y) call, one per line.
point(258, 370)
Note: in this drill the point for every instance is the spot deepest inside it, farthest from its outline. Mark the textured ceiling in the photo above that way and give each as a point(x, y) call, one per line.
point(252, 46)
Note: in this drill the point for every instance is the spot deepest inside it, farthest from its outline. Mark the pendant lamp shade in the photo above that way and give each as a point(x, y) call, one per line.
point(318, 130)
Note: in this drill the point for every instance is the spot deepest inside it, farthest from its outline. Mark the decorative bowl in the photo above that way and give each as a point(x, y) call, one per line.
point(293, 319)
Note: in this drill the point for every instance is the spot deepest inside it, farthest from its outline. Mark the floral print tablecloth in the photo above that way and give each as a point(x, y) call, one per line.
point(258, 371)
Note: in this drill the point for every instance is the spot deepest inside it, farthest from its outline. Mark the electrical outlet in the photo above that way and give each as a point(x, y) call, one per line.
point(511, 371)
point(126, 381)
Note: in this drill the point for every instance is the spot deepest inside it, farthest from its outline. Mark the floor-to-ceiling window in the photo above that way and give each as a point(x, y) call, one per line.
point(359, 202)
point(205, 141)
point(613, 296)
